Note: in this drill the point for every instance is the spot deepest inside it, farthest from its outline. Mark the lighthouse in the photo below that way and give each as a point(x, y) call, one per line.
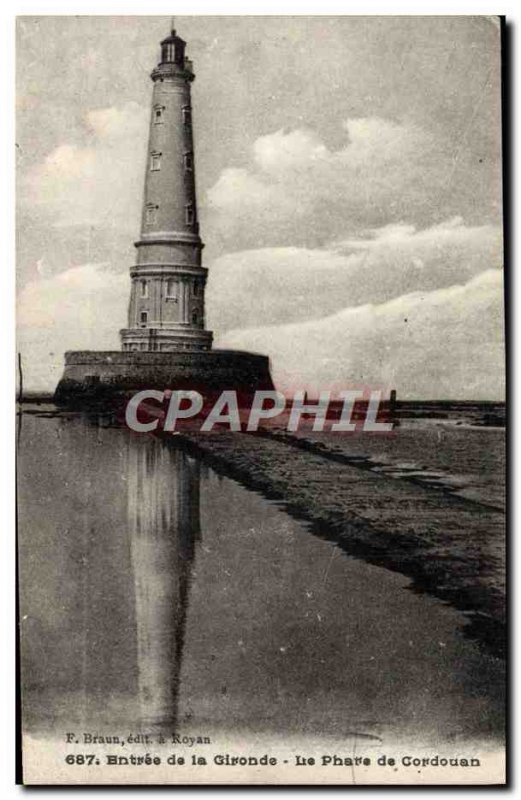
point(166, 308)
point(165, 344)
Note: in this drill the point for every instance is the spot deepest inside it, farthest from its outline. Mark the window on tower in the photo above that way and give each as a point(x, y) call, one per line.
point(143, 318)
point(168, 53)
point(150, 213)
point(187, 115)
point(144, 289)
point(155, 162)
point(158, 114)
point(190, 214)
point(189, 162)
point(195, 318)
point(171, 288)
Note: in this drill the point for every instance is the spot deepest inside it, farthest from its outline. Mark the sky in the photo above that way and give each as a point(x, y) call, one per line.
point(349, 191)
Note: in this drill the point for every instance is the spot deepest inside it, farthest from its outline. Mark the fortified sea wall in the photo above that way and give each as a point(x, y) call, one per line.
point(99, 374)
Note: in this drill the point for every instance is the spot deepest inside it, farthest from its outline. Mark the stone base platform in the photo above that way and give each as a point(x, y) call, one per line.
point(92, 377)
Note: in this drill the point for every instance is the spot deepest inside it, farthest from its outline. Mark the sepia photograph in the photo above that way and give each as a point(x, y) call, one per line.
point(261, 400)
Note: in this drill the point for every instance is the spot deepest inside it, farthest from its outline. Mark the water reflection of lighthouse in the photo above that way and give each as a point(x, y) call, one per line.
point(163, 513)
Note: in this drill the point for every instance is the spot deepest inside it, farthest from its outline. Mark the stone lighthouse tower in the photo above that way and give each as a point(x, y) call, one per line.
point(166, 309)
point(165, 344)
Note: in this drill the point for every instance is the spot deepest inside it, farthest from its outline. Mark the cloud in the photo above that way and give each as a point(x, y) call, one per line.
point(284, 152)
point(347, 305)
point(273, 286)
point(297, 189)
point(80, 309)
point(99, 183)
point(442, 344)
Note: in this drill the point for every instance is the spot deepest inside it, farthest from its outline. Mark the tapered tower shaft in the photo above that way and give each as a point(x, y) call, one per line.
point(166, 309)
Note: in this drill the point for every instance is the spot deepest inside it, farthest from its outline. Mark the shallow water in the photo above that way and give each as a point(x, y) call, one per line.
point(157, 594)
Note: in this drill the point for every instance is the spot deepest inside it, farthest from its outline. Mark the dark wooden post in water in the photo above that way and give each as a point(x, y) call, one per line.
point(20, 379)
point(392, 404)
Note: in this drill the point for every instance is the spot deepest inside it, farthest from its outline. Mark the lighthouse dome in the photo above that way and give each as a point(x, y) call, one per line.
point(173, 50)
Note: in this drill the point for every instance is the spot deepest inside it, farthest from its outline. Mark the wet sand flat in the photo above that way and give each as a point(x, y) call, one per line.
point(452, 547)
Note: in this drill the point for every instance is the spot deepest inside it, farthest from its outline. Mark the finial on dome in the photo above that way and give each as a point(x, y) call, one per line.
point(172, 25)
